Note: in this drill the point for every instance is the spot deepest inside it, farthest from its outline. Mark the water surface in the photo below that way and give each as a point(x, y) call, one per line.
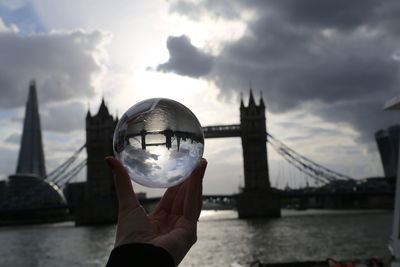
point(222, 240)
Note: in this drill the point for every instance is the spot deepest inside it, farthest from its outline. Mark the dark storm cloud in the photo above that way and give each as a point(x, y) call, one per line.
point(340, 14)
point(62, 64)
point(338, 55)
point(310, 70)
point(366, 116)
point(185, 59)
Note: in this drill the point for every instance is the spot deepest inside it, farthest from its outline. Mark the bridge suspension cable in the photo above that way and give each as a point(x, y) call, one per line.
point(61, 180)
point(304, 164)
point(59, 177)
point(57, 172)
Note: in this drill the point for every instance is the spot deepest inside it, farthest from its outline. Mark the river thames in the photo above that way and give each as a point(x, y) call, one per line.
point(223, 240)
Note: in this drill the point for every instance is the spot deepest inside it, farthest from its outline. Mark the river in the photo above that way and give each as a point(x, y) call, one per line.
point(222, 240)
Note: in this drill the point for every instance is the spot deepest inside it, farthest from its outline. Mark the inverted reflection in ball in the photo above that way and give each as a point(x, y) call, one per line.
point(159, 141)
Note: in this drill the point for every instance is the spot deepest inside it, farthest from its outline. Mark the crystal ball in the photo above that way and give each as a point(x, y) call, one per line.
point(159, 141)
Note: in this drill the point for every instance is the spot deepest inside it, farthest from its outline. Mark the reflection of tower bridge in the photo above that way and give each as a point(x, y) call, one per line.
point(169, 136)
point(94, 201)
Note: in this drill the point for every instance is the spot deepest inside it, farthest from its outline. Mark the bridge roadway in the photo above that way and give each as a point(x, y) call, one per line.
point(210, 202)
point(221, 131)
point(205, 198)
point(316, 200)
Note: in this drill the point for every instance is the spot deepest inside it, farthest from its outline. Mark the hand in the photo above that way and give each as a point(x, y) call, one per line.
point(173, 224)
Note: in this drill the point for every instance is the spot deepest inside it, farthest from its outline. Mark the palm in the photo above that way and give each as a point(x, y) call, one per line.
point(174, 233)
point(175, 218)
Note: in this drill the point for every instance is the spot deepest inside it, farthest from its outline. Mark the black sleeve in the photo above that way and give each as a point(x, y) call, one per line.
point(139, 254)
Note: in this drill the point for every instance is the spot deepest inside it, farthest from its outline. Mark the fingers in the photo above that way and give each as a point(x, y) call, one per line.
point(165, 203)
point(123, 186)
point(184, 191)
point(177, 204)
point(194, 190)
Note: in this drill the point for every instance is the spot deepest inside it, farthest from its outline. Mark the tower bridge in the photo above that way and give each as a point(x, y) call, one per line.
point(256, 200)
point(161, 138)
point(94, 201)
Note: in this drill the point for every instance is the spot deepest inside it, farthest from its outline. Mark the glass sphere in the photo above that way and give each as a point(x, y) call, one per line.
point(159, 141)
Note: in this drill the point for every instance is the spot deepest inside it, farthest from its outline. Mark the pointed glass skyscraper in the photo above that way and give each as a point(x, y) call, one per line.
point(31, 156)
point(27, 196)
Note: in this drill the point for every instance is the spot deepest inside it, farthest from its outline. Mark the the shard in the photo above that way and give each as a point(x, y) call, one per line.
point(28, 196)
point(31, 156)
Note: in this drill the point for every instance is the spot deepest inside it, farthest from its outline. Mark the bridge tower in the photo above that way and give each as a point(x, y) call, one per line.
point(257, 198)
point(99, 204)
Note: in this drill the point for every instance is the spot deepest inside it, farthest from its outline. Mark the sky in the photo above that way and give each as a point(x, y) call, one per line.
point(324, 70)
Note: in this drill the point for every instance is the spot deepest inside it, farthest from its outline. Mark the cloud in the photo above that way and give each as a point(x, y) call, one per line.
point(22, 15)
point(7, 161)
point(5, 28)
point(216, 8)
point(332, 60)
point(64, 117)
point(61, 117)
point(63, 64)
point(307, 131)
point(338, 14)
point(13, 4)
point(14, 138)
point(185, 59)
point(342, 15)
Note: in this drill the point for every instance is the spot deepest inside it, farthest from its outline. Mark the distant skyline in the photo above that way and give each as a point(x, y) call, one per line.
point(325, 71)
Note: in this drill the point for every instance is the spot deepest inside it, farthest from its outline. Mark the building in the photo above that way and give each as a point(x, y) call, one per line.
point(95, 201)
point(27, 197)
point(254, 139)
point(257, 198)
point(388, 145)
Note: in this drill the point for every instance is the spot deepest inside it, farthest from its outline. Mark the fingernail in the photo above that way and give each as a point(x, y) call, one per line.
point(109, 163)
point(205, 162)
point(203, 167)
